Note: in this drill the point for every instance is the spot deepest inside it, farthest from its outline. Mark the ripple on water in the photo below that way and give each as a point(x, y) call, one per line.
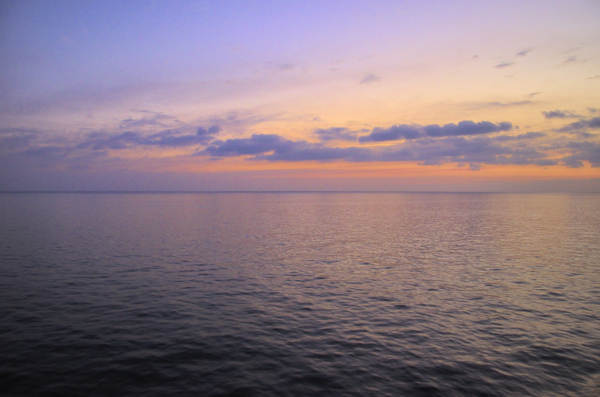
point(242, 295)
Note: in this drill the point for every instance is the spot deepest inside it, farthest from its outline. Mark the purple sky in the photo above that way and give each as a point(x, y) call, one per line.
point(266, 95)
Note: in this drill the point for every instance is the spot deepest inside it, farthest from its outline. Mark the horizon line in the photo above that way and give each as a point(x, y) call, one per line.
point(279, 192)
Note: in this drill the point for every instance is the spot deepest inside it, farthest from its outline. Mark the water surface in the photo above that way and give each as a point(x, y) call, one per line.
point(266, 294)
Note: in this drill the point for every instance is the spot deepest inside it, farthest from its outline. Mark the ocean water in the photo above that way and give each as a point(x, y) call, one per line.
point(296, 294)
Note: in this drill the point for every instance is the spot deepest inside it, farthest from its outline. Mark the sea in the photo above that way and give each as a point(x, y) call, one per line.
point(299, 294)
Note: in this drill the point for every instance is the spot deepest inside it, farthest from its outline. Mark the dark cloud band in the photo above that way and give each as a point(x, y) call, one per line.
point(405, 131)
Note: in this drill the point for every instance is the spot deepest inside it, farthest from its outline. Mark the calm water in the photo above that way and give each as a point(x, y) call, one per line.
point(299, 294)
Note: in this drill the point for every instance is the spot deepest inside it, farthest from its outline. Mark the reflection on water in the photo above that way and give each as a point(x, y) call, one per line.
point(291, 294)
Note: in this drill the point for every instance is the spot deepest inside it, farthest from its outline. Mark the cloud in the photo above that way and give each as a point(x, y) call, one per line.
point(466, 142)
point(415, 131)
point(426, 151)
point(497, 104)
point(583, 151)
point(273, 147)
point(532, 94)
point(504, 65)
point(276, 148)
point(524, 52)
point(594, 77)
point(477, 150)
point(45, 157)
point(171, 139)
point(16, 142)
point(12, 130)
point(242, 120)
point(103, 141)
point(559, 114)
point(576, 126)
point(393, 133)
point(594, 123)
point(167, 138)
point(466, 127)
point(256, 144)
point(460, 149)
point(462, 143)
point(529, 135)
point(12, 139)
point(506, 104)
point(47, 151)
point(580, 125)
point(82, 99)
point(336, 133)
point(156, 119)
point(370, 79)
point(286, 67)
point(303, 151)
point(572, 59)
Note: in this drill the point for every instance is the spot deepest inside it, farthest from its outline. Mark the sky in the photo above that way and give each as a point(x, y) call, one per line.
point(300, 95)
